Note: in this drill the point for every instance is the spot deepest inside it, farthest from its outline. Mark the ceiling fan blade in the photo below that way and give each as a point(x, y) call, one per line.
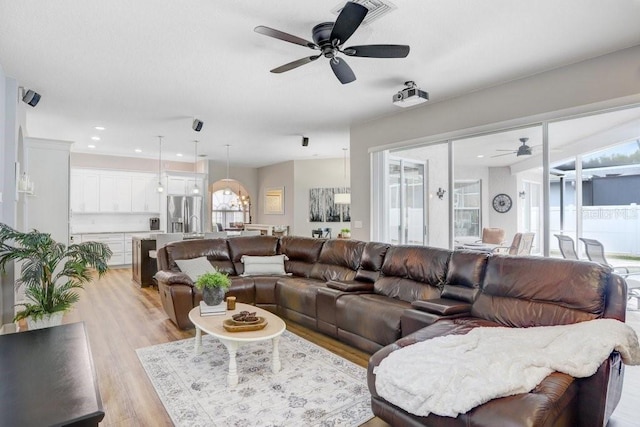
point(378, 51)
point(350, 18)
point(502, 149)
point(277, 34)
point(505, 154)
point(294, 64)
point(342, 70)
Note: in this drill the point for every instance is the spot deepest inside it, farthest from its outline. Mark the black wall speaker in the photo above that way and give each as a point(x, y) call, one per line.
point(305, 141)
point(197, 125)
point(31, 97)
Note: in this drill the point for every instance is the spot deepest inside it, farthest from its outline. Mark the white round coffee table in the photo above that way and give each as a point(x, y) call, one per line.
point(212, 325)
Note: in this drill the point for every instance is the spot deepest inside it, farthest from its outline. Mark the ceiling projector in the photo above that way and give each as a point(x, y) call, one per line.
point(410, 96)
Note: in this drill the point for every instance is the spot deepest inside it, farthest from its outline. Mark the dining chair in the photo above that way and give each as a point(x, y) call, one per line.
point(567, 247)
point(494, 236)
point(521, 245)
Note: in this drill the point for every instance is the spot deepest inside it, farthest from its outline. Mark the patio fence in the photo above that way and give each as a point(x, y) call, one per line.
point(617, 227)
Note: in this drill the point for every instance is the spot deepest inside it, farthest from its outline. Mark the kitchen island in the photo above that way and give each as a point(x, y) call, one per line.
point(143, 266)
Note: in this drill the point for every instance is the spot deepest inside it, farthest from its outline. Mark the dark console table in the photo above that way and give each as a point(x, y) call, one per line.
point(47, 378)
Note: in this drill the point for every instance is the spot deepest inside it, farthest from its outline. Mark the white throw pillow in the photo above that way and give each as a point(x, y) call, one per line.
point(263, 265)
point(195, 267)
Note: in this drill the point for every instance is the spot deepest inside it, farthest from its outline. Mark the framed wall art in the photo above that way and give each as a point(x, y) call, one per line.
point(274, 201)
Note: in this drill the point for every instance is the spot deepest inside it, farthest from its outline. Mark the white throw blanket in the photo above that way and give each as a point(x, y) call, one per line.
point(452, 374)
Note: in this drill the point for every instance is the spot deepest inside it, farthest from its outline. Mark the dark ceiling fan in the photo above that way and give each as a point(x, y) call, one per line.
point(523, 150)
point(329, 38)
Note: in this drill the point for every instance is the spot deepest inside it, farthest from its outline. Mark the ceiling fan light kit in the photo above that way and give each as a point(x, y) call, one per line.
point(329, 37)
point(524, 149)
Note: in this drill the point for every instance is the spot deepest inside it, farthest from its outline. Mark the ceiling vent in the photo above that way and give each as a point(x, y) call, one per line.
point(377, 9)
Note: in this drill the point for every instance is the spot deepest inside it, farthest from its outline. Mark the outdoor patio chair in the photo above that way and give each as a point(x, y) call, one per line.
point(595, 252)
point(567, 247)
point(521, 245)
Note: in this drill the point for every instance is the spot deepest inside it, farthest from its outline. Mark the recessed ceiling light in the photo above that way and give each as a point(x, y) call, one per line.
point(179, 154)
point(480, 156)
point(91, 146)
point(95, 138)
point(137, 150)
point(99, 128)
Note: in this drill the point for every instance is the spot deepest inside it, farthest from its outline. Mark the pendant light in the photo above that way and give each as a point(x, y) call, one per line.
point(227, 190)
point(160, 188)
point(196, 189)
point(343, 198)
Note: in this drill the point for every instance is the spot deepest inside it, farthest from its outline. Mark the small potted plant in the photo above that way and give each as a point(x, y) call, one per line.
point(345, 233)
point(213, 287)
point(50, 272)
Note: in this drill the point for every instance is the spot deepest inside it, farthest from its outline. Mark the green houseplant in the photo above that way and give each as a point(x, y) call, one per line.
point(50, 272)
point(345, 233)
point(213, 286)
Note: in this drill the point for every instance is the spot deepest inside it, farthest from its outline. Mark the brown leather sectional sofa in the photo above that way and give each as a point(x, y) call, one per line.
point(379, 298)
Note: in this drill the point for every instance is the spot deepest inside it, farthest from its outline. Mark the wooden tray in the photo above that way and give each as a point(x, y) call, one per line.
point(240, 323)
point(231, 325)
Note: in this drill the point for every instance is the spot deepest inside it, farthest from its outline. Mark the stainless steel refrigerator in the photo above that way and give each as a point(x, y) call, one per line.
point(185, 214)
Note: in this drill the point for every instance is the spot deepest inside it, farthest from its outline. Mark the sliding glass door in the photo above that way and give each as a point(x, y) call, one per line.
point(406, 216)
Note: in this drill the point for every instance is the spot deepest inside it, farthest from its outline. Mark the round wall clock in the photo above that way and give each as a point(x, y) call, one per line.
point(502, 203)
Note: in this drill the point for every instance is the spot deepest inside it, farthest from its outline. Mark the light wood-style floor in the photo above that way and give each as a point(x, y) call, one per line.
point(121, 317)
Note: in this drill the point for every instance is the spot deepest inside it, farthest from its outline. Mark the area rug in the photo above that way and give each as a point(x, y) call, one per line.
point(313, 388)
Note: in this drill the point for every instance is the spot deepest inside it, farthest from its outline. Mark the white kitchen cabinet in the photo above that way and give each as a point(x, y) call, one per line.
point(144, 194)
point(176, 185)
point(153, 197)
point(191, 184)
point(139, 194)
point(84, 191)
point(184, 185)
point(115, 193)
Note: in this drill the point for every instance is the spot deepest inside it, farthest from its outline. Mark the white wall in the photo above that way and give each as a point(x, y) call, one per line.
point(12, 119)
point(273, 176)
point(438, 177)
point(607, 81)
point(502, 182)
point(48, 209)
point(320, 173)
point(6, 291)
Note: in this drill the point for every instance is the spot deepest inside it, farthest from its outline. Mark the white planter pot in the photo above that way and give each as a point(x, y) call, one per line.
point(46, 321)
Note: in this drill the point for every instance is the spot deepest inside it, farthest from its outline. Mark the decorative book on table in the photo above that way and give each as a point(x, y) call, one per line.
point(212, 310)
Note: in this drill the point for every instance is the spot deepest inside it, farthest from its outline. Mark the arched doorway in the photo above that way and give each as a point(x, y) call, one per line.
point(230, 205)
